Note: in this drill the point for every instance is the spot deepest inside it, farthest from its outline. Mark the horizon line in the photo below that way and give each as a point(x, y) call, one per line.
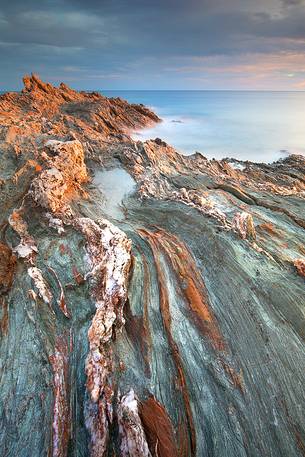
point(174, 90)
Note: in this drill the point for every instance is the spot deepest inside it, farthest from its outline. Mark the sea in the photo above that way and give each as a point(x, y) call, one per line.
point(246, 125)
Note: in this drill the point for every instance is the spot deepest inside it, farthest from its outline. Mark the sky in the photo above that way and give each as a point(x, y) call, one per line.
point(155, 44)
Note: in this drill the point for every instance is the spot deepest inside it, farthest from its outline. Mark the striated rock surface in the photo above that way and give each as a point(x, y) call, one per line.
point(176, 329)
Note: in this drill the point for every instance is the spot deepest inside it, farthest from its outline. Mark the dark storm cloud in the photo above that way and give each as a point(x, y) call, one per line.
point(76, 39)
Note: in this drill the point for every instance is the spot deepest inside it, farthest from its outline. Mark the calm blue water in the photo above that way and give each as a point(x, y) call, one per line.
point(258, 126)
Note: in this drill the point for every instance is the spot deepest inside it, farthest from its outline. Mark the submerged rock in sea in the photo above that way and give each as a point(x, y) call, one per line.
point(175, 330)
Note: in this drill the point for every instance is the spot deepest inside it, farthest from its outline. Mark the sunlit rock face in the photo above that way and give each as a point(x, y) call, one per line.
point(160, 315)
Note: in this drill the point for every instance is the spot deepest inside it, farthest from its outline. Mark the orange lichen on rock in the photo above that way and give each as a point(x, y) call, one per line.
point(158, 429)
point(38, 168)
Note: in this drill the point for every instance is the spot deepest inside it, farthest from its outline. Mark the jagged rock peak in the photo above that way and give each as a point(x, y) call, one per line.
point(35, 86)
point(33, 82)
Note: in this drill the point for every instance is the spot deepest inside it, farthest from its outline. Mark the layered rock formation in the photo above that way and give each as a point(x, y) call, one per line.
point(177, 330)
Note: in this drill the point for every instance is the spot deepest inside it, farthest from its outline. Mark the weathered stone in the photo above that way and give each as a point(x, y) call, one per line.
point(243, 224)
point(54, 187)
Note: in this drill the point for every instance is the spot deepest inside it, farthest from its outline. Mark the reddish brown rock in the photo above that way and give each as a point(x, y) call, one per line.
point(7, 267)
point(158, 428)
point(63, 113)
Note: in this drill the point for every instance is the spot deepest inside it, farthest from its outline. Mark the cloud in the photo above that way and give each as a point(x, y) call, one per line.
point(111, 40)
point(57, 28)
point(66, 20)
point(292, 2)
point(284, 64)
point(153, 27)
point(3, 22)
point(38, 48)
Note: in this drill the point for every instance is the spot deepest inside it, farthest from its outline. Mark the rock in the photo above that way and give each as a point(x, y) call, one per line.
point(300, 266)
point(54, 187)
point(163, 350)
point(159, 142)
point(41, 285)
point(56, 223)
point(132, 436)
point(108, 254)
point(33, 82)
point(243, 224)
point(27, 248)
point(7, 268)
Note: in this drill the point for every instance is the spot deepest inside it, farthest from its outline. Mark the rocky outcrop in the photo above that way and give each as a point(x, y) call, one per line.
point(187, 340)
point(44, 111)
